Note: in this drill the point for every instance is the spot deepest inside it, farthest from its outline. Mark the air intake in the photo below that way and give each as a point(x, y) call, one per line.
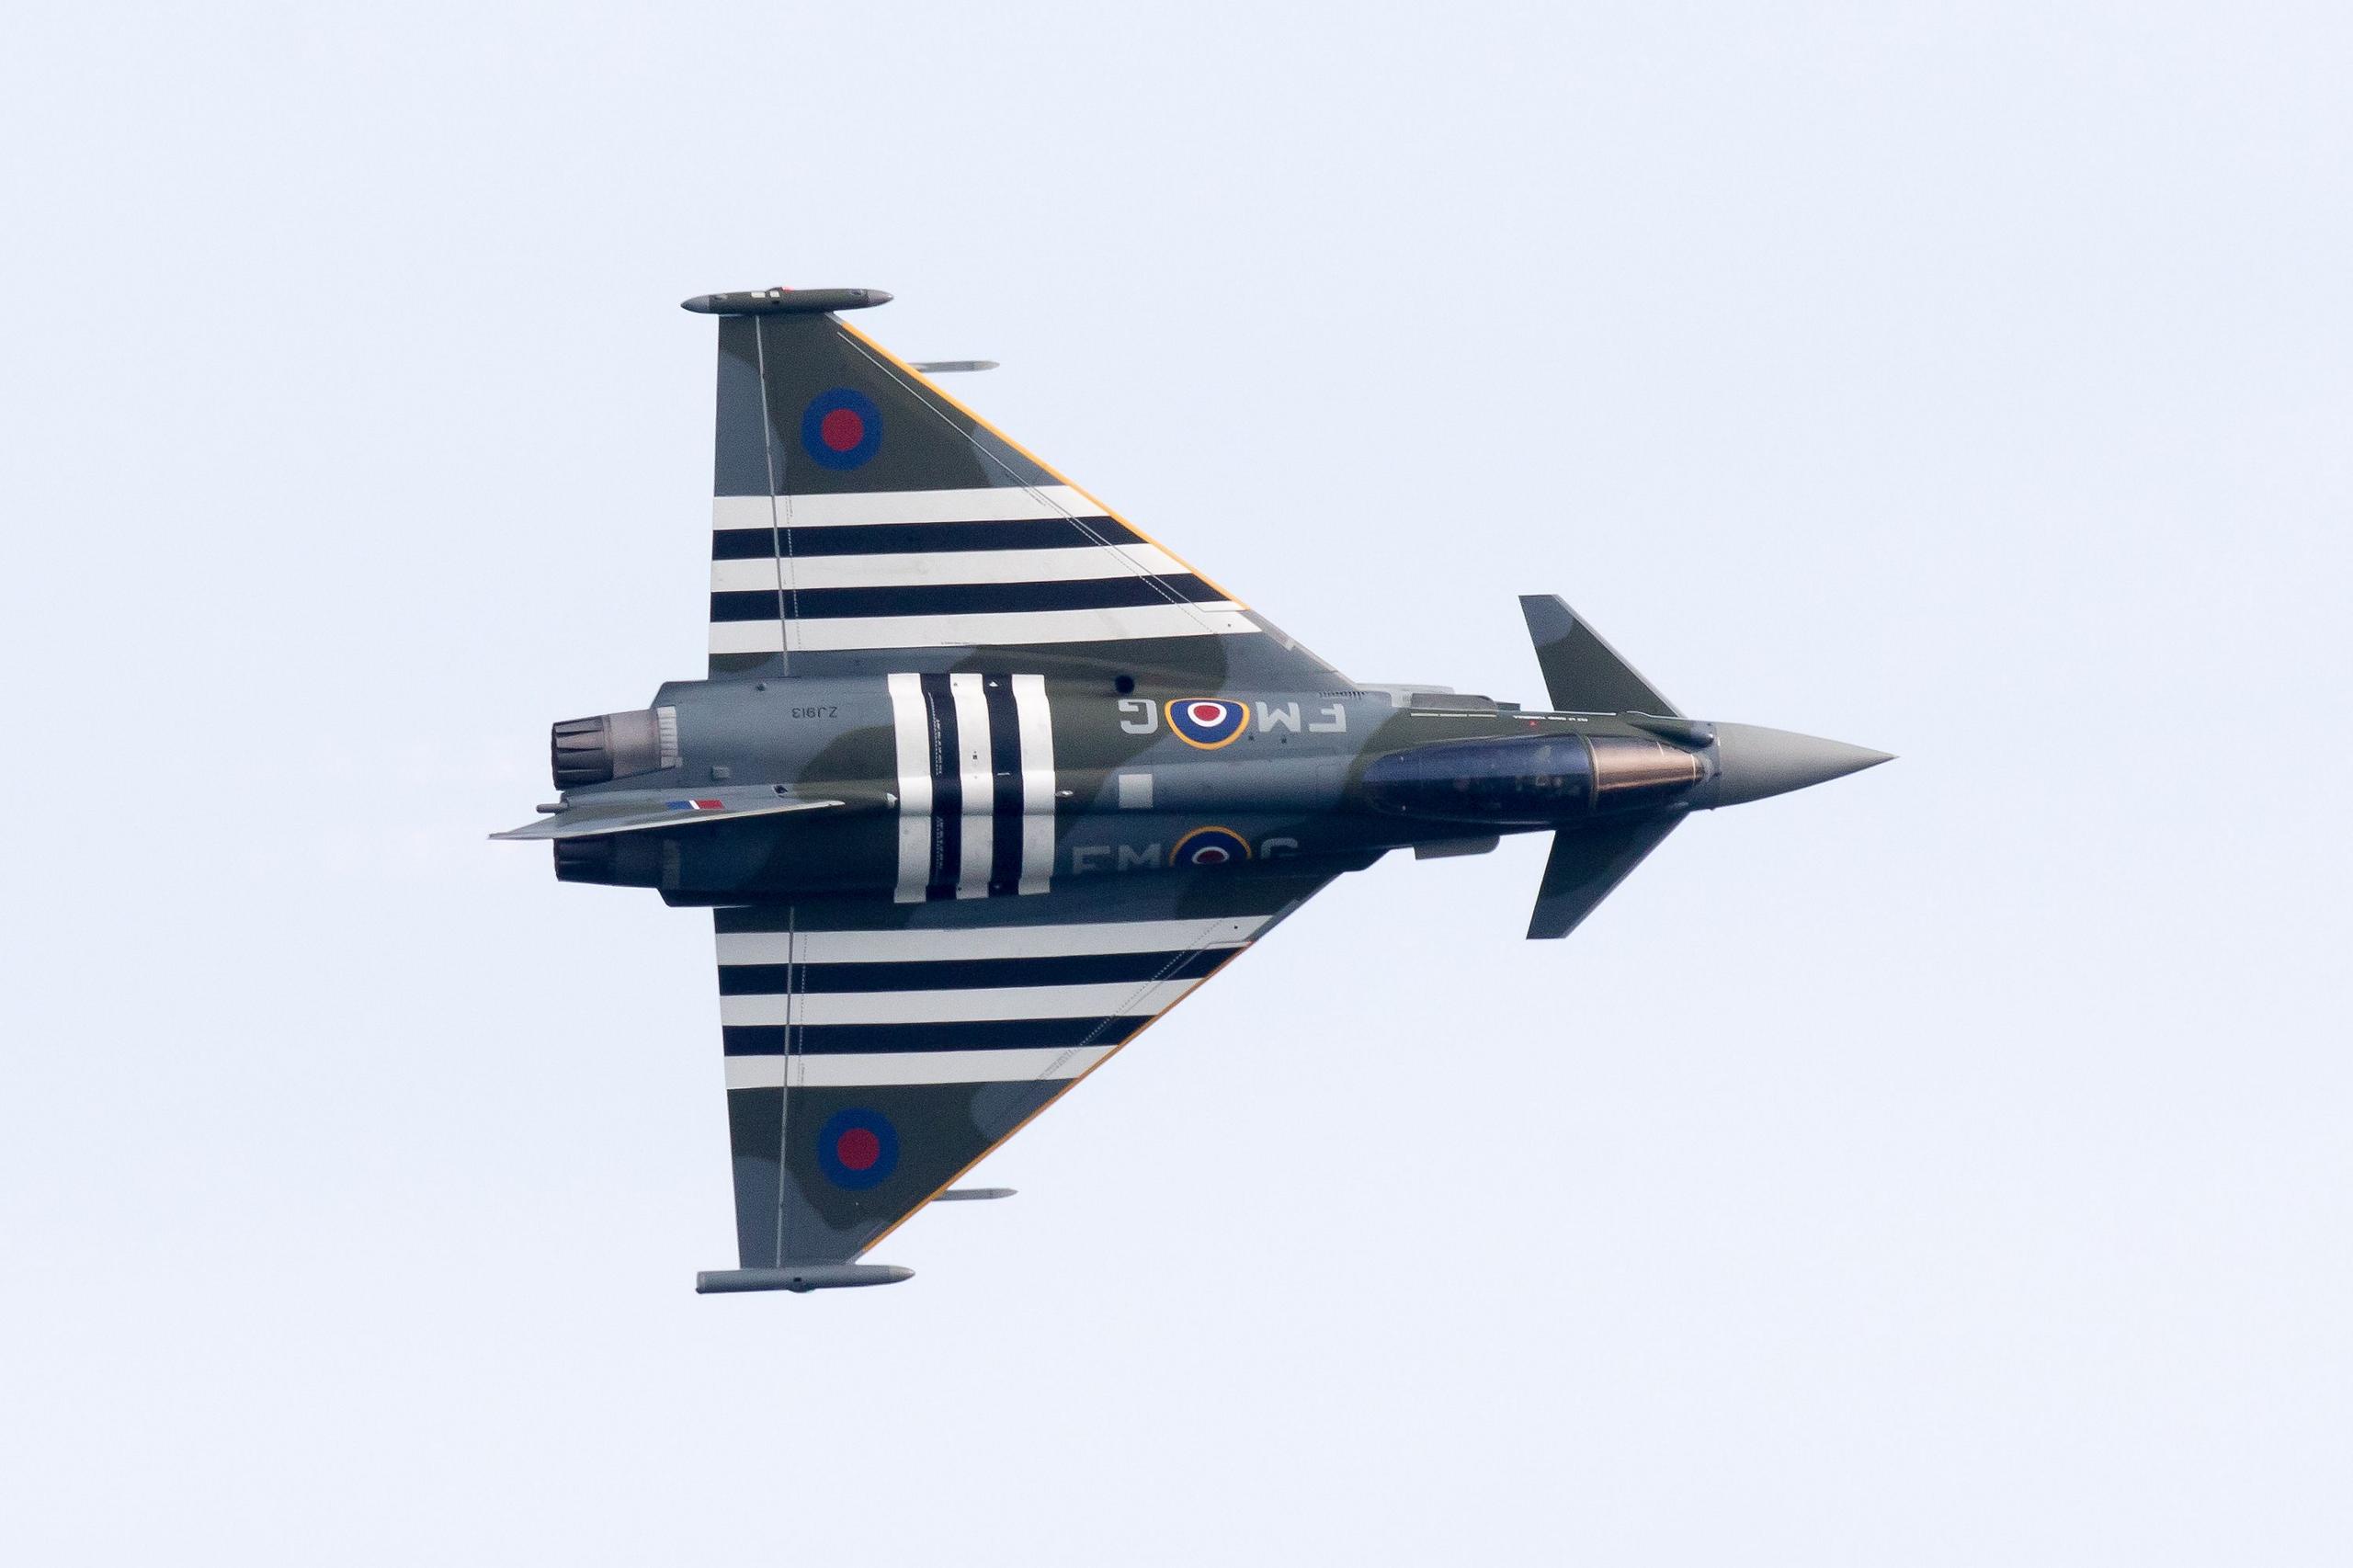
point(612, 745)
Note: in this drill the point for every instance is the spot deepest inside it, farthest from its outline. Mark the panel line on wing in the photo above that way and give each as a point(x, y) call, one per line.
point(776, 479)
point(784, 1119)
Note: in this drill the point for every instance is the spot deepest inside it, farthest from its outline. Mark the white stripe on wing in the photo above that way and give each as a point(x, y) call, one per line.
point(1005, 504)
point(927, 568)
point(1121, 999)
point(1023, 1065)
point(950, 944)
point(1217, 618)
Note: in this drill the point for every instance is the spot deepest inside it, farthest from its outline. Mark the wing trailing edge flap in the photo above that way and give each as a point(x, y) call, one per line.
point(644, 812)
point(1585, 867)
point(1582, 673)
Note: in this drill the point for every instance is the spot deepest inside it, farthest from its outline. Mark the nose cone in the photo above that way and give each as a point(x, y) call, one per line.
point(1753, 762)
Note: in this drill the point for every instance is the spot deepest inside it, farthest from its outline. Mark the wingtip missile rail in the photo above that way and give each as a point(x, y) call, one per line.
point(800, 1280)
point(781, 302)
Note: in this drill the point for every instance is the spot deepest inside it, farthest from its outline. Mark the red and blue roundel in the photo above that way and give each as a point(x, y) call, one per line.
point(1210, 846)
point(1208, 723)
point(841, 428)
point(857, 1148)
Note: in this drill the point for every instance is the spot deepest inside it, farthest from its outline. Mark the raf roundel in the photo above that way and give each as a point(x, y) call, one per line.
point(1208, 723)
point(1210, 846)
point(841, 428)
point(857, 1148)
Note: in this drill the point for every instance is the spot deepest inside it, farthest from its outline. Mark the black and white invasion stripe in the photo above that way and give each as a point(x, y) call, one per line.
point(975, 760)
point(945, 568)
point(984, 1003)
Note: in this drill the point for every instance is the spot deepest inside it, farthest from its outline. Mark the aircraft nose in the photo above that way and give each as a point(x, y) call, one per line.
point(1753, 762)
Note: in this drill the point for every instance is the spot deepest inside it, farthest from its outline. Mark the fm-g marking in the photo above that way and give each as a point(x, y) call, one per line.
point(981, 779)
point(1142, 717)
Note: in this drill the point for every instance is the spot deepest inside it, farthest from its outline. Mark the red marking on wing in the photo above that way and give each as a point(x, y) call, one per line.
point(841, 429)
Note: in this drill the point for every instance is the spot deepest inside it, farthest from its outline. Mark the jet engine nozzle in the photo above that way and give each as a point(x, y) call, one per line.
point(612, 745)
point(1753, 762)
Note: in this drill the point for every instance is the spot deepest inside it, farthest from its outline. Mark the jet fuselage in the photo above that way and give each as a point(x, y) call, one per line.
point(986, 784)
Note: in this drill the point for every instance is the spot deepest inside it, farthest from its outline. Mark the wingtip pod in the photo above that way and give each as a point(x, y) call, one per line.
point(779, 302)
point(800, 1280)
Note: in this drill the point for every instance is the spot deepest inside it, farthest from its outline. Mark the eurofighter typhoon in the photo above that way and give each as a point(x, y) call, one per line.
point(983, 779)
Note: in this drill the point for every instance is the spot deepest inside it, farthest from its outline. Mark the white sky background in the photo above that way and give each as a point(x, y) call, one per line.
point(1945, 1166)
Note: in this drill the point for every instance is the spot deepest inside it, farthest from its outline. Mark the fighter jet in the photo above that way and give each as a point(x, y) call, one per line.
point(982, 779)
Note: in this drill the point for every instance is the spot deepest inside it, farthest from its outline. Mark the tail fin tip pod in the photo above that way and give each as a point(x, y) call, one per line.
point(1582, 674)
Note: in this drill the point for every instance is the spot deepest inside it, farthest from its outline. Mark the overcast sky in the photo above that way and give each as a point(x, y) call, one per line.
point(1948, 1166)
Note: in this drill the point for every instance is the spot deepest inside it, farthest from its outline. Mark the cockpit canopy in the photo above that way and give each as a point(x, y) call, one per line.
point(1531, 778)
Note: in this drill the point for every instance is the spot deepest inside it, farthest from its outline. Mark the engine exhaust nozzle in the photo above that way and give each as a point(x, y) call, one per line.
point(612, 745)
